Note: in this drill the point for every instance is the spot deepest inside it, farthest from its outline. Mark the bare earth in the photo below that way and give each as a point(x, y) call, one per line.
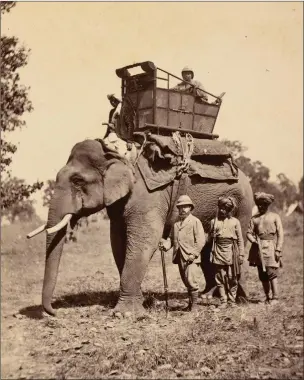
point(254, 341)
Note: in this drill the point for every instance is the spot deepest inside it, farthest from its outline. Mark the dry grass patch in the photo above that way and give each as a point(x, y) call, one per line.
point(253, 341)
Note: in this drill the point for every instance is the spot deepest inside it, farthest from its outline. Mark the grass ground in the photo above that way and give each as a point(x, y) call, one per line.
point(254, 341)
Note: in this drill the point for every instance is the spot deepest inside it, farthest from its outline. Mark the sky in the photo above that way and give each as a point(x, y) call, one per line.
point(252, 51)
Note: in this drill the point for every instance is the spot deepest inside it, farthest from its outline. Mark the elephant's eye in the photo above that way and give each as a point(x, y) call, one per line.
point(78, 181)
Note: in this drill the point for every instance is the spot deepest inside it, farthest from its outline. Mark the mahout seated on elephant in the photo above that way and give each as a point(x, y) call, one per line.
point(113, 114)
point(111, 139)
point(95, 178)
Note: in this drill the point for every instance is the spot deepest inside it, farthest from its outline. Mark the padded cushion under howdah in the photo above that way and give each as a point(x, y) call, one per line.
point(156, 175)
point(202, 147)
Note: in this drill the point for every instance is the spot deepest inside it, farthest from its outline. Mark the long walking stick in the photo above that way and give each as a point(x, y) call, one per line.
point(162, 252)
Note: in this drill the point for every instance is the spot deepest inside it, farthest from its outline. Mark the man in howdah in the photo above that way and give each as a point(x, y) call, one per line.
point(266, 234)
point(188, 238)
point(188, 75)
point(227, 250)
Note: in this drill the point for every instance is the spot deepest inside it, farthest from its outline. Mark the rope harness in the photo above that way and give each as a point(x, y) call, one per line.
point(186, 148)
point(181, 181)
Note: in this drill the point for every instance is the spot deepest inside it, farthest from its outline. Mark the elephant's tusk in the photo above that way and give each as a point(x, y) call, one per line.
point(36, 231)
point(65, 220)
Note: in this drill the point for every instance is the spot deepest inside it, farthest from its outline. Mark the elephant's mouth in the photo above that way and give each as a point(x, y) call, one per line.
point(64, 221)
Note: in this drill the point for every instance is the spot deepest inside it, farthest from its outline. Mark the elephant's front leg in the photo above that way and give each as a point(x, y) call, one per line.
point(143, 235)
point(118, 243)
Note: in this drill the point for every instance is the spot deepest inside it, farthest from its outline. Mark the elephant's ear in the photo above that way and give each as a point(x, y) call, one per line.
point(118, 181)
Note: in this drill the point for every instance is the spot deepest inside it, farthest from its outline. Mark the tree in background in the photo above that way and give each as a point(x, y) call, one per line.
point(22, 211)
point(288, 189)
point(14, 196)
point(48, 192)
point(283, 189)
point(14, 103)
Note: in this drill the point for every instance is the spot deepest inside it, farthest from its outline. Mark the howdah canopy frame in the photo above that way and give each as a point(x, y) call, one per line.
point(148, 107)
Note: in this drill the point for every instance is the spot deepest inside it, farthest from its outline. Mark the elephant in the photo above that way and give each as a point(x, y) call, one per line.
point(94, 179)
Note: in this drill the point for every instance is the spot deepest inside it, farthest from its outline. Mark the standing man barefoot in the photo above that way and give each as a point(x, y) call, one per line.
point(266, 234)
point(228, 250)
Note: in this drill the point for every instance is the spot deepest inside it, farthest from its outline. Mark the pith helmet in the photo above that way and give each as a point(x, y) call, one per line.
point(187, 68)
point(184, 200)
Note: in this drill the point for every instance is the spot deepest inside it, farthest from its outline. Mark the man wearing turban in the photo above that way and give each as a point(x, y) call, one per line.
point(265, 198)
point(266, 234)
point(113, 115)
point(227, 250)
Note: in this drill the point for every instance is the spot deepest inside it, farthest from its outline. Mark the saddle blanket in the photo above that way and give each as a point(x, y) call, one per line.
point(209, 160)
point(202, 147)
point(155, 178)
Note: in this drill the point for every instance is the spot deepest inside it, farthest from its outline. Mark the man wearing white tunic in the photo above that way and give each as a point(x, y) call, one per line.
point(227, 250)
point(266, 234)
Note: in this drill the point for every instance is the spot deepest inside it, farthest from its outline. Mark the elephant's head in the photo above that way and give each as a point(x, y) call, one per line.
point(90, 181)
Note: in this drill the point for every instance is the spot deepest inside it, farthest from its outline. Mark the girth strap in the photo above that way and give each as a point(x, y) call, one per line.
point(267, 237)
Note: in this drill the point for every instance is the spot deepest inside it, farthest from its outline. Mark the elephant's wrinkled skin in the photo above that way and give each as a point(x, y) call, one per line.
point(92, 180)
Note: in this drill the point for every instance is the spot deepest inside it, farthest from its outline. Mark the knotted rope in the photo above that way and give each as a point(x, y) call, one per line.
point(186, 148)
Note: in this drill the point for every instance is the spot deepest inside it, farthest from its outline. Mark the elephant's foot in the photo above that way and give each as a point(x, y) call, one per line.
point(127, 307)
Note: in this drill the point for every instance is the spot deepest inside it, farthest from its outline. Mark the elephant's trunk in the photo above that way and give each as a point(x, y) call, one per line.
point(54, 246)
point(60, 213)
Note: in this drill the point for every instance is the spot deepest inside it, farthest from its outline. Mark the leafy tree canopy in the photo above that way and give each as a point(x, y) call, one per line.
point(14, 103)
